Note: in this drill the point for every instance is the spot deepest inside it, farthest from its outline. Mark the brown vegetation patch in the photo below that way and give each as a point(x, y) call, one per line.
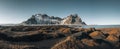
point(68, 43)
point(89, 42)
point(112, 38)
point(97, 35)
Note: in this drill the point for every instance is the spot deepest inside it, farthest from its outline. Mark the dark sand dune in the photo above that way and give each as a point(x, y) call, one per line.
point(58, 37)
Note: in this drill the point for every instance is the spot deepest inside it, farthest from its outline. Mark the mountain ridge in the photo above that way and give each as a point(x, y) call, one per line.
point(45, 19)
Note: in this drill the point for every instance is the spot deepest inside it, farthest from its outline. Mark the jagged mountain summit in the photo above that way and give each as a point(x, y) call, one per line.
point(73, 19)
point(42, 19)
point(45, 19)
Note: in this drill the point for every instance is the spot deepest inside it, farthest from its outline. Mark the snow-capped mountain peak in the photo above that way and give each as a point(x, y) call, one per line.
point(45, 19)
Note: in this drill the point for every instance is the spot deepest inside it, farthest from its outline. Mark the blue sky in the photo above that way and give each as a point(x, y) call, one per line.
point(91, 11)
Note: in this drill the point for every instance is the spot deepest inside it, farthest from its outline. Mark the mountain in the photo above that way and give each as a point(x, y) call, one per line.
point(73, 19)
point(45, 19)
point(42, 19)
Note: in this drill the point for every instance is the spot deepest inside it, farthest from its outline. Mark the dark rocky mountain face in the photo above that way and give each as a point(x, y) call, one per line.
point(45, 19)
point(73, 19)
point(42, 19)
point(31, 20)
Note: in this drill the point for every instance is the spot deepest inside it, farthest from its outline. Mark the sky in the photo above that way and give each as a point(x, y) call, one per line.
point(100, 12)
